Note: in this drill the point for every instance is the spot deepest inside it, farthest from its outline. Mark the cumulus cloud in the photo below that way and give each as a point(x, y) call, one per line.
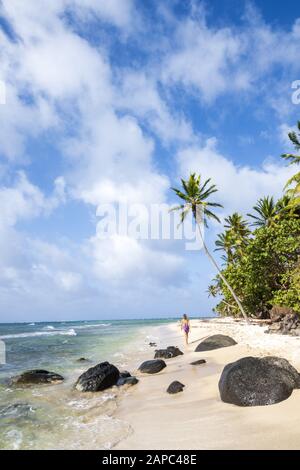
point(210, 62)
point(205, 60)
point(23, 200)
point(119, 134)
point(239, 185)
point(139, 94)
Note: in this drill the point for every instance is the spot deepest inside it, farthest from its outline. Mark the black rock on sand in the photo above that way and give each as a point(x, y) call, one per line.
point(127, 381)
point(175, 387)
point(37, 376)
point(258, 381)
point(152, 367)
point(215, 342)
point(197, 363)
point(98, 378)
point(171, 351)
point(125, 374)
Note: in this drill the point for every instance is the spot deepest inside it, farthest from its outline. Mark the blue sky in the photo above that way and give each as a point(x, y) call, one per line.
point(114, 101)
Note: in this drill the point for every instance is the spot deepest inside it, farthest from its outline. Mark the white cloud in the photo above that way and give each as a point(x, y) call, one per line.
point(110, 160)
point(69, 281)
point(239, 186)
point(106, 121)
point(205, 60)
point(120, 13)
point(23, 200)
point(121, 258)
point(139, 94)
point(43, 14)
point(210, 62)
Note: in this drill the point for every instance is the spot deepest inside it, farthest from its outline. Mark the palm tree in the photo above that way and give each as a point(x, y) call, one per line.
point(213, 290)
point(294, 159)
point(266, 210)
point(237, 224)
point(286, 206)
point(195, 197)
point(235, 238)
point(239, 231)
point(225, 243)
point(294, 192)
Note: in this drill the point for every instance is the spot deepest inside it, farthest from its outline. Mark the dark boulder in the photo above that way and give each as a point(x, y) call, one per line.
point(286, 324)
point(197, 363)
point(170, 351)
point(255, 381)
point(37, 376)
point(215, 342)
point(277, 313)
point(83, 359)
point(153, 345)
point(125, 374)
point(152, 367)
point(100, 377)
point(127, 381)
point(175, 387)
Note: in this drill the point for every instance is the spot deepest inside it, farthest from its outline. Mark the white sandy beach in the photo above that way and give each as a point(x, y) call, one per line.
point(197, 418)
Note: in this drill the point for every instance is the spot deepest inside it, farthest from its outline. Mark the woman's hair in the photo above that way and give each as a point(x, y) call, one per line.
point(185, 316)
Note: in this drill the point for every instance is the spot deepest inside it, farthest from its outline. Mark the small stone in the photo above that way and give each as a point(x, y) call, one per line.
point(127, 381)
point(197, 363)
point(175, 387)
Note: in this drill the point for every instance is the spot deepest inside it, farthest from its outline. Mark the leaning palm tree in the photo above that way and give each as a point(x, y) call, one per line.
point(195, 197)
point(266, 212)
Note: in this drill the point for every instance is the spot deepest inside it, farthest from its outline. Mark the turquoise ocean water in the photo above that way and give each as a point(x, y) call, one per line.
point(57, 416)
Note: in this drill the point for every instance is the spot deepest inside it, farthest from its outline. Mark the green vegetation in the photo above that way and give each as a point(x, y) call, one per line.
point(261, 257)
point(293, 185)
point(263, 265)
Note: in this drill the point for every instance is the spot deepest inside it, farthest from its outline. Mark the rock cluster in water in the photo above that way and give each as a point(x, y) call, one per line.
point(37, 376)
point(258, 381)
point(98, 378)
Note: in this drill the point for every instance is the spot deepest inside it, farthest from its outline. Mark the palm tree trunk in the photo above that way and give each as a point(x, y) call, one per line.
point(221, 275)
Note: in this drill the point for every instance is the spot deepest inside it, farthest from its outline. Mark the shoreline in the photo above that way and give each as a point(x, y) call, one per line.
point(197, 418)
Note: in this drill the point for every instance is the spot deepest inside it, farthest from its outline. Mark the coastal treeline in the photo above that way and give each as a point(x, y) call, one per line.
point(261, 253)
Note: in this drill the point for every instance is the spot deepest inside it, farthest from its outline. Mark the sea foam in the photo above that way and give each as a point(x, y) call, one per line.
point(70, 332)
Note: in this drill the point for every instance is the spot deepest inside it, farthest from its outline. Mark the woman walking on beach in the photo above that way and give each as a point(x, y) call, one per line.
point(185, 327)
